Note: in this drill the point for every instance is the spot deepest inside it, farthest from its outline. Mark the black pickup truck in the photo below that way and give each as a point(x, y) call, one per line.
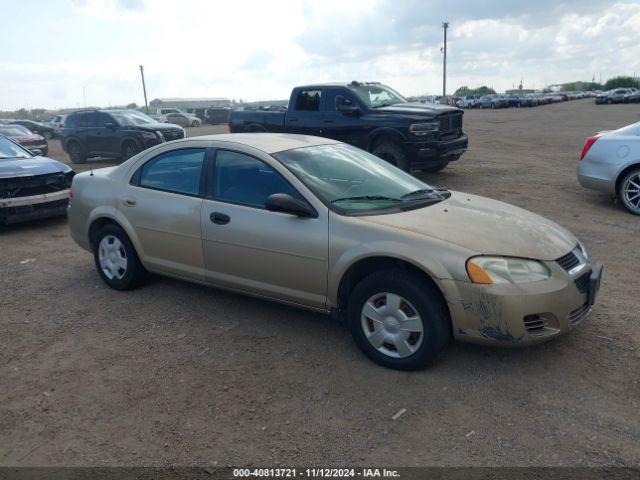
point(412, 136)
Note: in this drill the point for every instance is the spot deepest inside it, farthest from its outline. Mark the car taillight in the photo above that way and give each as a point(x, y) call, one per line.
point(71, 191)
point(230, 125)
point(588, 144)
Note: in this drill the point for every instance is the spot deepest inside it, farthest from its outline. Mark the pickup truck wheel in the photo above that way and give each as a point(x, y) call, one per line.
point(75, 152)
point(194, 123)
point(398, 319)
point(129, 149)
point(392, 153)
point(116, 259)
point(47, 135)
point(435, 168)
point(629, 191)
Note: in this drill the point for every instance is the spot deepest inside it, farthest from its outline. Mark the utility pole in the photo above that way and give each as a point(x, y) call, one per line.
point(445, 25)
point(144, 89)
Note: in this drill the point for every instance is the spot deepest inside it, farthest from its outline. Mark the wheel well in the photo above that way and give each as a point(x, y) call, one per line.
point(365, 267)
point(97, 225)
point(386, 136)
point(623, 173)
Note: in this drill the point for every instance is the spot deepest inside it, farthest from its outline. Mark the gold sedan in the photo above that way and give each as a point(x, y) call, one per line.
point(326, 226)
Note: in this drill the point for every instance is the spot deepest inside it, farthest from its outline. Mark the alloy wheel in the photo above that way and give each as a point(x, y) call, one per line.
point(113, 257)
point(631, 193)
point(392, 325)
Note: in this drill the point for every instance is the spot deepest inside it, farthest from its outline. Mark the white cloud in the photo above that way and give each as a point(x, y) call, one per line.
point(258, 49)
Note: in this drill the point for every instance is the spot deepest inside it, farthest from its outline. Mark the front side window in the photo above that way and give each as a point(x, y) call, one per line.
point(308, 100)
point(128, 118)
point(242, 179)
point(352, 181)
point(178, 171)
point(376, 96)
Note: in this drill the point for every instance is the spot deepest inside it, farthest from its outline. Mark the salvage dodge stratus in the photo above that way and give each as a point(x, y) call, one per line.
point(324, 225)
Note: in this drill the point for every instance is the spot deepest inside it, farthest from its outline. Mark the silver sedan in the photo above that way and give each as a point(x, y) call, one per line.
point(610, 162)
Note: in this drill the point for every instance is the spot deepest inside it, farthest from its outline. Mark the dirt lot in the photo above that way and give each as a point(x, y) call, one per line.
point(175, 373)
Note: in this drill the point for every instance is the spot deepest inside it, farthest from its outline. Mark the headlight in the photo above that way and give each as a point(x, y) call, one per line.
point(159, 134)
point(583, 250)
point(149, 135)
point(490, 270)
point(184, 133)
point(424, 128)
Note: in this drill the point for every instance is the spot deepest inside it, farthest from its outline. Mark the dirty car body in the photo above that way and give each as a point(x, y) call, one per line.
point(335, 229)
point(31, 187)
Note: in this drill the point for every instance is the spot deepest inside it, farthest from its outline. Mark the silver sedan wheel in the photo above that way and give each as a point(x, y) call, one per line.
point(631, 193)
point(112, 257)
point(392, 325)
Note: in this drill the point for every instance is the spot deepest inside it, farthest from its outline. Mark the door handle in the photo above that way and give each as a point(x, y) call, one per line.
point(293, 120)
point(328, 121)
point(219, 218)
point(129, 201)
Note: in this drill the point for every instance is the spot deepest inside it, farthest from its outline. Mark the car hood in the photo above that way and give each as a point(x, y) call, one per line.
point(485, 226)
point(24, 167)
point(417, 109)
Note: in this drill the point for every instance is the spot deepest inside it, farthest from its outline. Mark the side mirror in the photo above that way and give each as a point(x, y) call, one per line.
point(285, 203)
point(36, 152)
point(345, 106)
point(110, 125)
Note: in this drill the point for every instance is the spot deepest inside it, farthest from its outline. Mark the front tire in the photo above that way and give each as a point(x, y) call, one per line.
point(392, 153)
point(629, 191)
point(116, 259)
point(435, 168)
point(47, 135)
point(129, 149)
point(398, 319)
point(194, 123)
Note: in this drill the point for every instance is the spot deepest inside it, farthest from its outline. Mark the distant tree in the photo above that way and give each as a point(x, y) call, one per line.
point(465, 91)
point(132, 106)
point(621, 82)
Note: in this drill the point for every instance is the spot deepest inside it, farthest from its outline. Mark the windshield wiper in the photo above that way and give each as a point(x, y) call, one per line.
point(367, 197)
point(428, 192)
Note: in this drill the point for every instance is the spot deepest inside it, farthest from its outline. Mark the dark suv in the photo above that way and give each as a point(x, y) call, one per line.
point(113, 133)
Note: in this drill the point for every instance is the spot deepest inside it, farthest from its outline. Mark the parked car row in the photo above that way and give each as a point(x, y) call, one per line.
point(517, 100)
point(619, 95)
point(25, 137)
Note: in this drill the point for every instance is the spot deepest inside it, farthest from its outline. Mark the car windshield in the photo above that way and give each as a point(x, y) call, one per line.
point(353, 181)
point(131, 118)
point(9, 149)
point(14, 130)
point(376, 96)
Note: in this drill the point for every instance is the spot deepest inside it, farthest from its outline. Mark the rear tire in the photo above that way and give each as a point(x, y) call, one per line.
point(47, 135)
point(194, 123)
point(116, 260)
point(629, 191)
point(76, 154)
point(392, 153)
point(398, 319)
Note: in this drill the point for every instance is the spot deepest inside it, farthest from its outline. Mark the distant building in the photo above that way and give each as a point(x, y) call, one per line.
point(187, 103)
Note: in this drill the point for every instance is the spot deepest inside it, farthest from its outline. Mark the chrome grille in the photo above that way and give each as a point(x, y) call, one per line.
point(450, 122)
point(172, 135)
point(582, 282)
point(568, 261)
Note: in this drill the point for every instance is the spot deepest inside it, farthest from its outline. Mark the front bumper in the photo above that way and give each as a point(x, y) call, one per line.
point(23, 209)
point(436, 152)
point(519, 315)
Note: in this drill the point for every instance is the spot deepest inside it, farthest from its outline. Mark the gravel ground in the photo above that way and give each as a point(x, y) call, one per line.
point(175, 373)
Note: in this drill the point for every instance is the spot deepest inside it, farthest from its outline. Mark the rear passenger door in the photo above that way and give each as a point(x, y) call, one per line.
point(163, 204)
point(306, 116)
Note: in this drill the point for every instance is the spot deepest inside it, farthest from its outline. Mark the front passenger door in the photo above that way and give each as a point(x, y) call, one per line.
point(251, 249)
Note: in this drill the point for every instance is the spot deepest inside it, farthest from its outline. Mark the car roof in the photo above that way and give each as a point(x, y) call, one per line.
point(269, 142)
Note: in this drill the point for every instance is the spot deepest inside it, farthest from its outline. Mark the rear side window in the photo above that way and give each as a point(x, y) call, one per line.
point(245, 180)
point(308, 100)
point(178, 171)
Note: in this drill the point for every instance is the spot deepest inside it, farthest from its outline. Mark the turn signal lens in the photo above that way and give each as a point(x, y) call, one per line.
point(477, 274)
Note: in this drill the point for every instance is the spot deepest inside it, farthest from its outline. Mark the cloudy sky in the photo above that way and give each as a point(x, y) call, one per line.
point(55, 49)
